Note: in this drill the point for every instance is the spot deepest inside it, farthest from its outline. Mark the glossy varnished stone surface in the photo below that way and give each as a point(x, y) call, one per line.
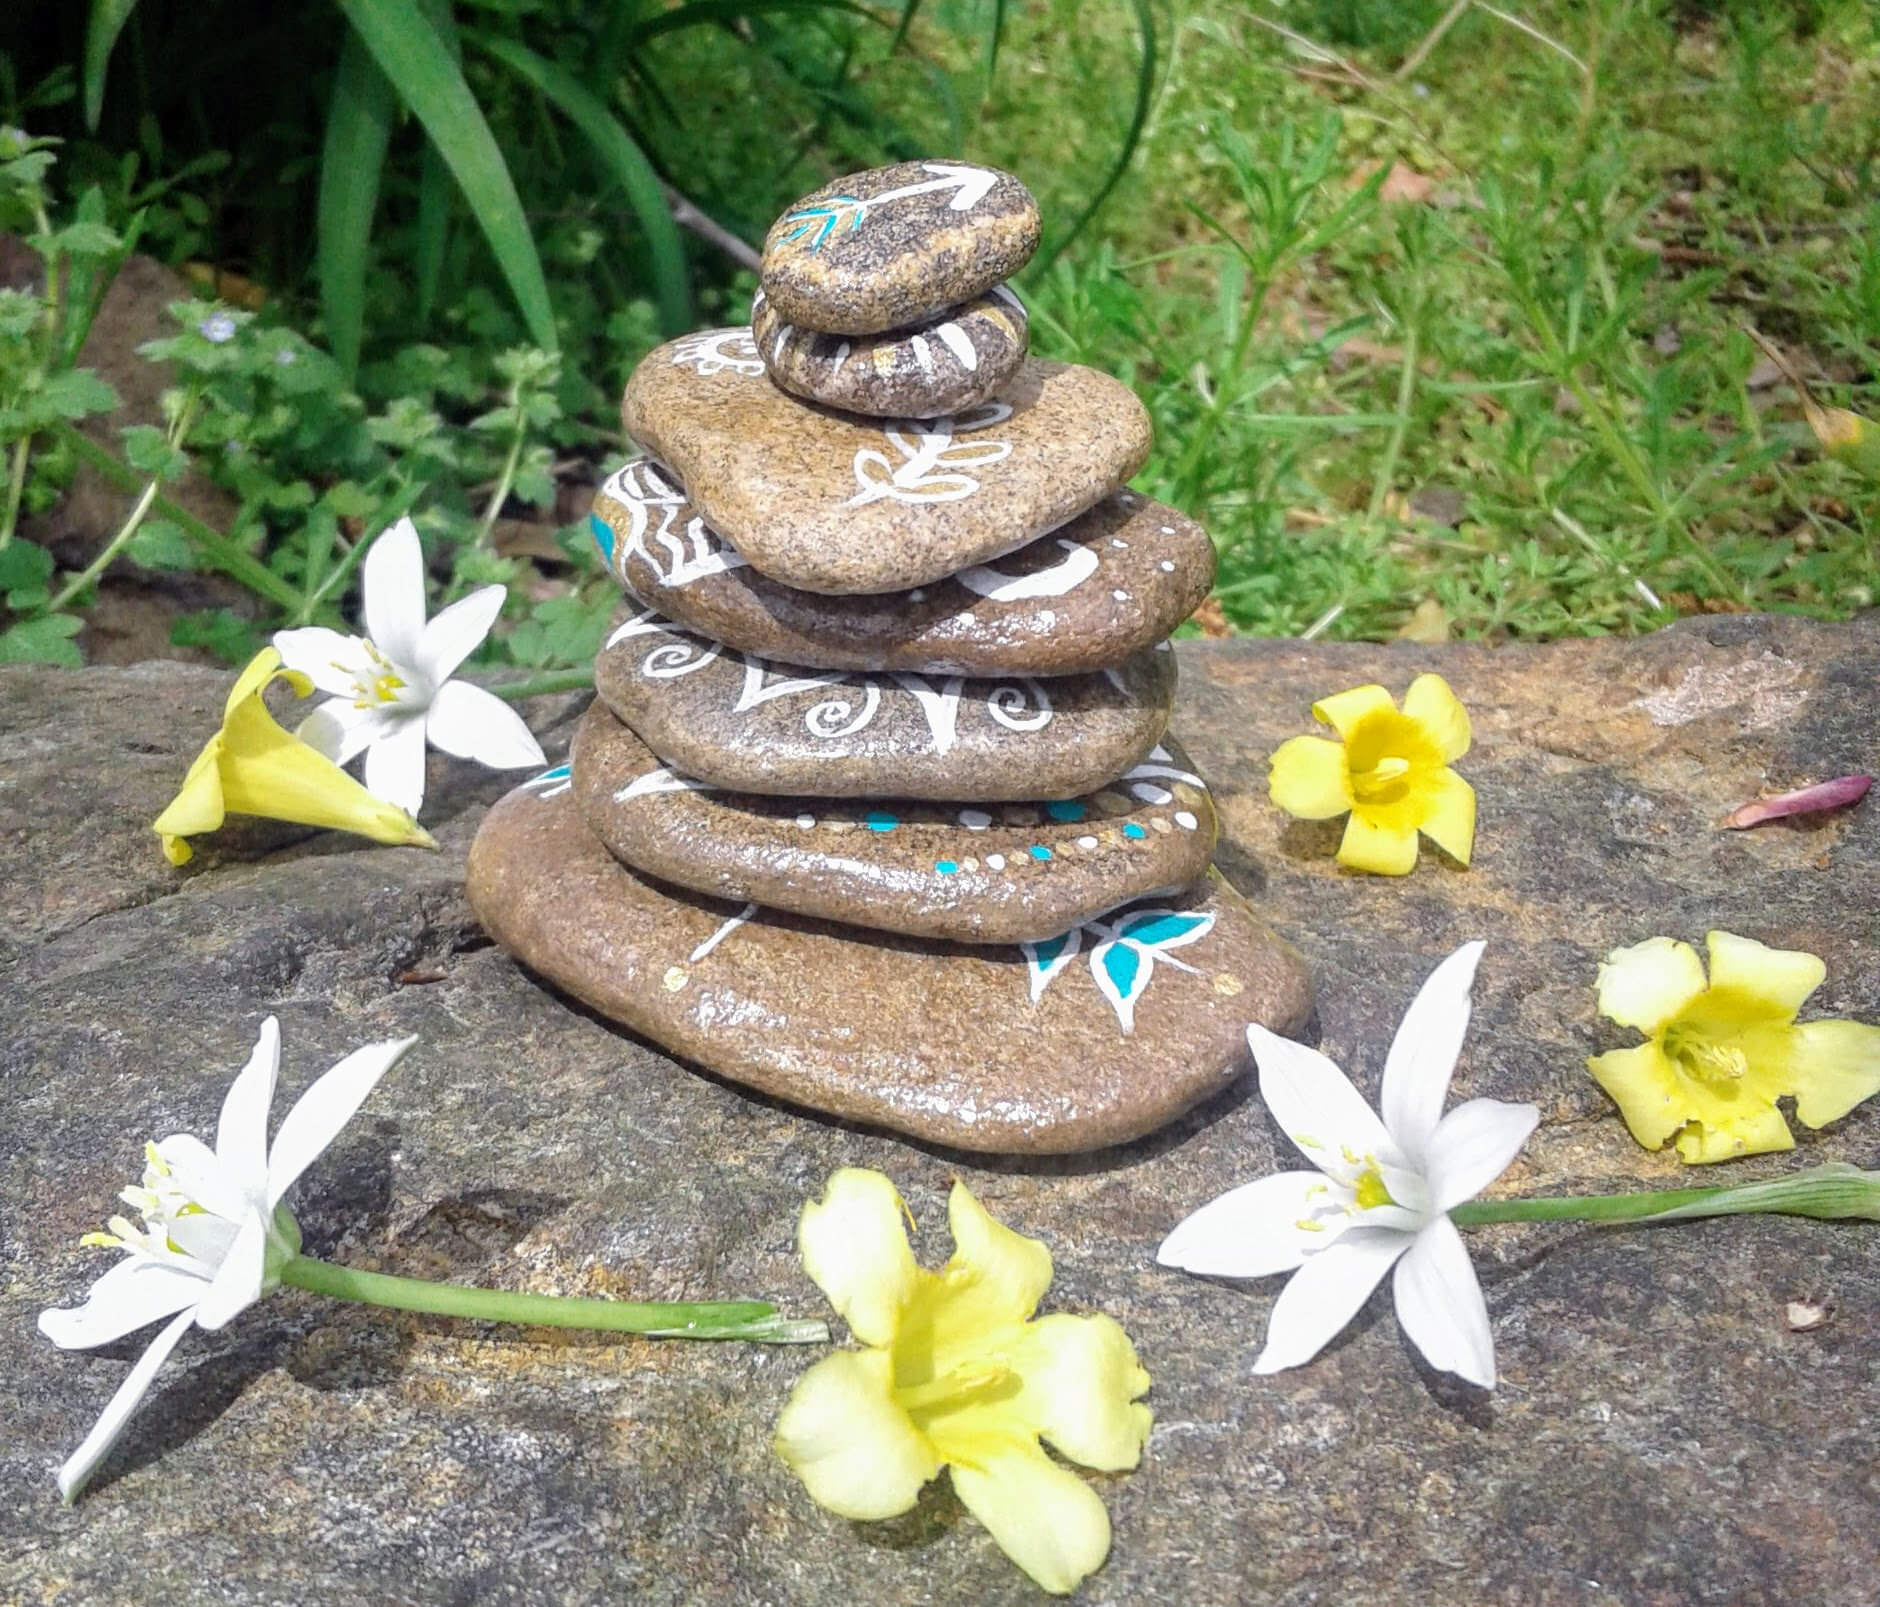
point(833, 502)
point(894, 245)
point(996, 874)
point(1113, 581)
point(953, 361)
point(1660, 1434)
point(973, 1047)
point(752, 725)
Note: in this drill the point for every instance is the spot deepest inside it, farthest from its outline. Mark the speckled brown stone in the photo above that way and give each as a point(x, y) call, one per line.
point(752, 725)
point(954, 361)
point(983, 1049)
point(831, 502)
point(1113, 581)
point(893, 246)
point(1004, 874)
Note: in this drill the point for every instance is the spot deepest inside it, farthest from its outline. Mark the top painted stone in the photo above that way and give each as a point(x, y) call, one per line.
point(895, 245)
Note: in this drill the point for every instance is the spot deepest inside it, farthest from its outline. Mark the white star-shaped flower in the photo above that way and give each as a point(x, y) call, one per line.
point(392, 688)
point(215, 1234)
point(1380, 1198)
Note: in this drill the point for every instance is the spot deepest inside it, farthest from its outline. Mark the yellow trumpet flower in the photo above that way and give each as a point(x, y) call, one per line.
point(252, 767)
point(1722, 1051)
point(1389, 769)
point(958, 1375)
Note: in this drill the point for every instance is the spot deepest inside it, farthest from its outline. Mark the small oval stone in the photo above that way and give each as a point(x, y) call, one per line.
point(894, 246)
point(1088, 1039)
point(1050, 608)
point(924, 869)
point(957, 361)
point(749, 725)
point(834, 502)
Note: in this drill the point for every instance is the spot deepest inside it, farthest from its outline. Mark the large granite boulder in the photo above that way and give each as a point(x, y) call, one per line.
point(1660, 1434)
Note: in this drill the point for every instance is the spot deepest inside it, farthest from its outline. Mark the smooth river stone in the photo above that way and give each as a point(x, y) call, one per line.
point(950, 363)
point(896, 245)
point(1113, 581)
point(752, 725)
point(1102, 1034)
point(1003, 874)
point(832, 502)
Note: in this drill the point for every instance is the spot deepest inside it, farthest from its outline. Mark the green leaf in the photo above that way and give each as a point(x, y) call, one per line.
point(101, 33)
point(24, 566)
point(410, 53)
point(358, 129)
point(43, 641)
point(83, 239)
point(78, 392)
point(19, 314)
point(622, 158)
point(147, 449)
point(227, 635)
point(161, 544)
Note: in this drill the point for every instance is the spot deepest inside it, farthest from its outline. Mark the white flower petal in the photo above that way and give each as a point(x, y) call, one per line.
point(1254, 1230)
point(237, 1282)
point(203, 1238)
point(1440, 1305)
point(83, 1462)
point(393, 584)
point(342, 731)
point(456, 632)
point(1316, 1105)
point(474, 724)
point(1423, 1054)
point(326, 1107)
point(132, 1295)
point(1473, 1145)
point(395, 765)
point(200, 1176)
point(241, 1135)
point(1325, 1294)
point(333, 661)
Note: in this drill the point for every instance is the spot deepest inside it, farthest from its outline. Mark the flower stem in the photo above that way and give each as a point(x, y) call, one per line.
point(704, 1319)
point(1828, 1192)
point(16, 485)
point(577, 680)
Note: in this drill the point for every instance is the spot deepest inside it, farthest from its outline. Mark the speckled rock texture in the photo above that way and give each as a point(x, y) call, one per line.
point(1113, 581)
point(895, 245)
point(953, 361)
point(752, 725)
point(1003, 874)
point(832, 502)
point(1004, 1050)
point(1660, 1437)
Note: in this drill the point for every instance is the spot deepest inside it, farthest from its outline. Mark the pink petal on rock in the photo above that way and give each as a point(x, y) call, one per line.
point(1835, 794)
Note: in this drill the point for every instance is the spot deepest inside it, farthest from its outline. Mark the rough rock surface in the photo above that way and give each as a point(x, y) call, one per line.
point(1660, 1436)
point(953, 361)
point(1116, 579)
point(892, 246)
point(833, 502)
point(754, 726)
point(1012, 873)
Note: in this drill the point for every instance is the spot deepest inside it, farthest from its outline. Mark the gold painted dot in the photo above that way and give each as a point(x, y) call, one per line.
point(1020, 817)
point(1227, 985)
point(839, 825)
point(1161, 825)
point(1112, 803)
point(675, 978)
point(969, 864)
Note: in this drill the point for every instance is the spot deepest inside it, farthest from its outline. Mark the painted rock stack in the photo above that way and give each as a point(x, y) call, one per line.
point(876, 810)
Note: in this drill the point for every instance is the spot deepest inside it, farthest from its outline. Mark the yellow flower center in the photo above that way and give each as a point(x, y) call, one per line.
point(1710, 1060)
point(1370, 1191)
point(380, 685)
point(974, 1380)
point(1389, 754)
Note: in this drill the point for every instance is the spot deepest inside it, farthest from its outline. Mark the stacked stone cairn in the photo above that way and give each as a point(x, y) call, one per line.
point(876, 810)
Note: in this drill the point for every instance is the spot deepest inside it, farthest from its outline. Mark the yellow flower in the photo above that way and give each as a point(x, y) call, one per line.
point(252, 767)
point(1390, 769)
point(1721, 1053)
point(957, 1376)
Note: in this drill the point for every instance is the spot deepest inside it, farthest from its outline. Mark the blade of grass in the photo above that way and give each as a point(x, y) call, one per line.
point(622, 158)
point(101, 35)
point(410, 53)
point(1145, 94)
point(358, 130)
point(728, 11)
point(434, 189)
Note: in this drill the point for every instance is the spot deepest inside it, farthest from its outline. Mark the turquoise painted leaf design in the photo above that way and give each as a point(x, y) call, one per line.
point(1164, 929)
point(821, 221)
point(1048, 956)
point(1122, 971)
point(603, 534)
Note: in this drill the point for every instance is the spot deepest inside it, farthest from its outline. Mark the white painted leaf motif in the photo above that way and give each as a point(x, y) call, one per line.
point(1045, 958)
point(658, 781)
point(1066, 575)
point(925, 454)
point(712, 351)
point(942, 707)
point(1123, 962)
point(691, 552)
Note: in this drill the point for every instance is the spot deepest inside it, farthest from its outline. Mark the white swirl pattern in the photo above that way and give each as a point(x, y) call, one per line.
point(690, 553)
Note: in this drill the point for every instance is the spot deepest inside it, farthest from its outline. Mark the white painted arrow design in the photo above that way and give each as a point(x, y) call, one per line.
point(818, 222)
